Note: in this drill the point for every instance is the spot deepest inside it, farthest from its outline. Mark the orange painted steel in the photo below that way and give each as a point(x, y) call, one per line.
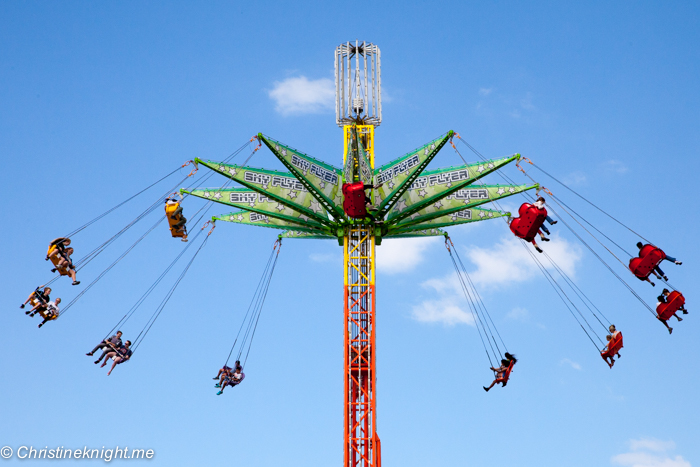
point(360, 416)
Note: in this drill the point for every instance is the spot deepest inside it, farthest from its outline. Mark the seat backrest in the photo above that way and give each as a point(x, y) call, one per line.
point(354, 200)
point(529, 221)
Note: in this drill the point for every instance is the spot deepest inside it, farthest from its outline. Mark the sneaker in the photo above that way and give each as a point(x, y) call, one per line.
point(666, 278)
point(670, 330)
point(217, 385)
point(485, 388)
point(679, 319)
point(40, 325)
point(22, 305)
point(89, 354)
point(554, 222)
point(545, 239)
point(96, 362)
point(27, 312)
point(539, 250)
point(219, 393)
point(678, 263)
point(215, 377)
point(685, 312)
point(76, 282)
point(652, 284)
point(53, 270)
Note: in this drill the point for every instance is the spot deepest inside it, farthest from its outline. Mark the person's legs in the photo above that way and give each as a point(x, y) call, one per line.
point(97, 347)
point(545, 229)
point(44, 322)
point(106, 350)
point(536, 246)
point(679, 319)
point(107, 357)
point(672, 259)
point(116, 362)
point(550, 220)
point(660, 272)
point(492, 385)
point(670, 329)
point(649, 281)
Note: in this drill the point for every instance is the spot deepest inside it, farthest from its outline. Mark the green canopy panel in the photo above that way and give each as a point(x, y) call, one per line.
point(282, 187)
point(249, 200)
point(459, 217)
point(400, 173)
point(434, 185)
point(467, 197)
point(260, 220)
point(322, 181)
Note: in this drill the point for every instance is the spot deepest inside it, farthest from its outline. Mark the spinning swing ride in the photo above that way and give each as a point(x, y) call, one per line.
point(360, 205)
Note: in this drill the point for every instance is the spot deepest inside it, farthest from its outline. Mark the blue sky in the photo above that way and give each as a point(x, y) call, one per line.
point(99, 100)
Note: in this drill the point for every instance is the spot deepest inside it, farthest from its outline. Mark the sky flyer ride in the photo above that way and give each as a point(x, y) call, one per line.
point(358, 204)
point(317, 200)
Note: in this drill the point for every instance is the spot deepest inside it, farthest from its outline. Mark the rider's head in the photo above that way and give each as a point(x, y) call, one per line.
point(639, 245)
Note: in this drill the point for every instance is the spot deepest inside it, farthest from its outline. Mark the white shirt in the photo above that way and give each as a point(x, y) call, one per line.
point(52, 308)
point(539, 204)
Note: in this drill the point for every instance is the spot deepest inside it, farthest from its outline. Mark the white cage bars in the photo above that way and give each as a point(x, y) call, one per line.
point(358, 83)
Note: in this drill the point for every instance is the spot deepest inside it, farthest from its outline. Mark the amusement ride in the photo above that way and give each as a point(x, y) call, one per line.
point(359, 205)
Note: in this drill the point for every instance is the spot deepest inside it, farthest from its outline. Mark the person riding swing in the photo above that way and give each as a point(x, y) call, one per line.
point(503, 371)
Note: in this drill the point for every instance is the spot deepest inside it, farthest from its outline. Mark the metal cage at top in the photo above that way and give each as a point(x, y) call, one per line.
point(358, 83)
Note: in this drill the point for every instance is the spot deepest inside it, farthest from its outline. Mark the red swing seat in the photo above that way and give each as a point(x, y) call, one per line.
point(614, 346)
point(528, 222)
point(354, 203)
point(674, 303)
point(649, 257)
point(506, 376)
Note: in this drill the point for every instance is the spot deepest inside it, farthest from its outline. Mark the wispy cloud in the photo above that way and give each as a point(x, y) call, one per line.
point(300, 95)
point(649, 452)
point(615, 166)
point(571, 363)
point(485, 91)
point(448, 308)
point(403, 255)
point(518, 314)
point(323, 257)
point(508, 262)
point(575, 178)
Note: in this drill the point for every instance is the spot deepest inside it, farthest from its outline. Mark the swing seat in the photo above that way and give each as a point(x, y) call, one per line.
point(174, 231)
point(649, 257)
point(529, 221)
point(614, 346)
point(506, 376)
point(45, 315)
point(354, 200)
point(675, 301)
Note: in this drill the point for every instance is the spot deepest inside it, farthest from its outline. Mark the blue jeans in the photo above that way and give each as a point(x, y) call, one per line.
point(545, 229)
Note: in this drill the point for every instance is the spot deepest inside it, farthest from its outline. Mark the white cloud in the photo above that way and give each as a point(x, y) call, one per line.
point(614, 166)
point(575, 178)
point(526, 102)
point(403, 255)
point(444, 311)
point(446, 308)
point(485, 91)
point(508, 262)
point(571, 363)
point(651, 444)
point(518, 314)
point(323, 257)
point(649, 452)
point(299, 95)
